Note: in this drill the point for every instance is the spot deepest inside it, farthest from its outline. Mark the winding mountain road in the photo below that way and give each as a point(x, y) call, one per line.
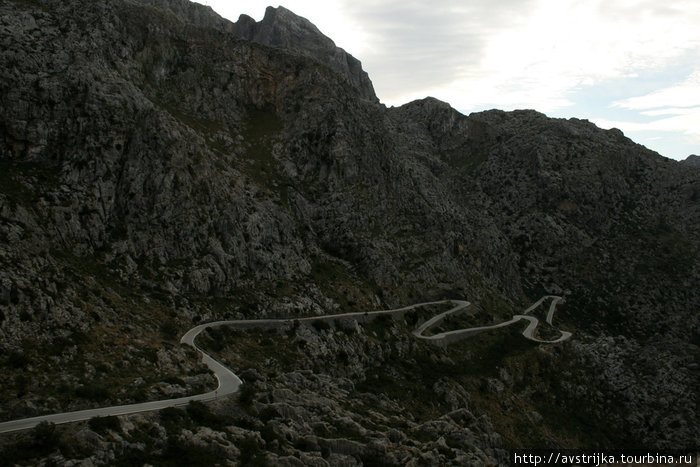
point(228, 382)
point(448, 337)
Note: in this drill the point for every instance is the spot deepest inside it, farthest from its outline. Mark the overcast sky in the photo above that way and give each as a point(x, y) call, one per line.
point(630, 64)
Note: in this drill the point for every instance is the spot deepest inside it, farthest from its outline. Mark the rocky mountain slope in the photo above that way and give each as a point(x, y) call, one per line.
point(282, 28)
point(693, 160)
point(160, 166)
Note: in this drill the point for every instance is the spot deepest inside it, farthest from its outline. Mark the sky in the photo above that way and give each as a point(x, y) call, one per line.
point(628, 64)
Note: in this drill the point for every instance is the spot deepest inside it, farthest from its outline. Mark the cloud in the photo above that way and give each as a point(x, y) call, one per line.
point(416, 46)
point(518, 53)
point(672, 109)
point(676, 136)
point(686, 122)
point(561, 57)
point(681, 95)
point(507, 54)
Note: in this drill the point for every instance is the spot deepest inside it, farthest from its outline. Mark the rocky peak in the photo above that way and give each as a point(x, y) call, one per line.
point(692, 160)
point(279, 27)
point(191, 12)
point(282, 28)
point(433, 117)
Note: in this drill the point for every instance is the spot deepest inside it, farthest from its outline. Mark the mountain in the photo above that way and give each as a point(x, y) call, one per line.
point(282, 28)
point(162, 167)
point(692, 160)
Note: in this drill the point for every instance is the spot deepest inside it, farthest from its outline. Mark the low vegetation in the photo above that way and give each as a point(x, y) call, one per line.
point(478, 365)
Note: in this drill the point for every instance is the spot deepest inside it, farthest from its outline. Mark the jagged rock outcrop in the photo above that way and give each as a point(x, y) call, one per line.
point(282, 28)
point(692, 160)
point(157, 170)
point(191, 12)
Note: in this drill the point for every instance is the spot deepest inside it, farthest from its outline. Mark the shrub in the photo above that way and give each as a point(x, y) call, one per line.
point(202, 415)
point(178, 453)
point(102, 424)
point(268, 413)
point(321, 325)
point(251, 453)
point(45, 437)
point(93, 391)
point(246, 394)
point(266, 342)
point(18, 360)
point(295, 326)
point(172, 379)
point(169, 329)
point(173, 419)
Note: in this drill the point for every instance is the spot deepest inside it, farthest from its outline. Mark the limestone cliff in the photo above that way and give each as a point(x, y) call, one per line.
point(282, 28)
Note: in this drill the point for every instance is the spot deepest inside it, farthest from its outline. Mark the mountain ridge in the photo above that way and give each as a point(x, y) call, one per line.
point(281, 27)
point(692, 160)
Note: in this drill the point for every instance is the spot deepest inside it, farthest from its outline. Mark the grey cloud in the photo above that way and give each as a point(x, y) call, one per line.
point(420, 44)
point(620, 10)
